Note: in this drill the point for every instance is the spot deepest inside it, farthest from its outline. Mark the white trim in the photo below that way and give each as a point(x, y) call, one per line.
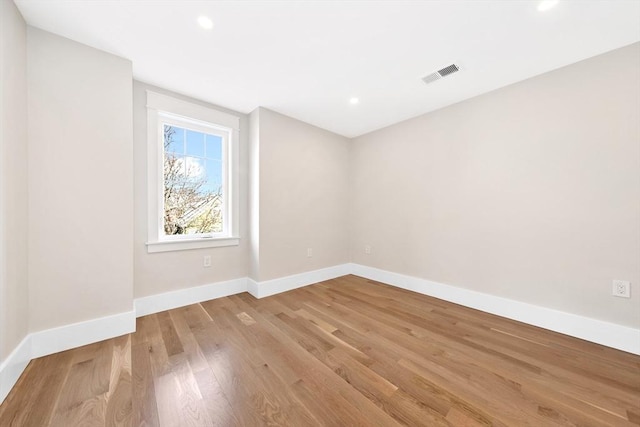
point(609, 334)
point(78, 334)
point(283, 284)
point(253, 287)
point(12, 367)
point(181, 245)
point(182, 297)
point(190, 110)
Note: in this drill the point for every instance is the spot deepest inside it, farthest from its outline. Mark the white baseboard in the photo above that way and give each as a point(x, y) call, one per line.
point(283, 284)
point(180, 298)
point(12, 367)
point(78, 334)
point(253, 287)
point(609, 334)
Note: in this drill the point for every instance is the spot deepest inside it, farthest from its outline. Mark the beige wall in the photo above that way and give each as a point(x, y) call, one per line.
point(302, 197)
point(80, 182)
point(156, 273)
point(13, 179)
point(530, 192)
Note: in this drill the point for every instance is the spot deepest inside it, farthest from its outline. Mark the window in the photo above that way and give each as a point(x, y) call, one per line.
point(192, 175)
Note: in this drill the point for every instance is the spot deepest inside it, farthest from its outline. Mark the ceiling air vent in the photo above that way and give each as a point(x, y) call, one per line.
point(450, 69)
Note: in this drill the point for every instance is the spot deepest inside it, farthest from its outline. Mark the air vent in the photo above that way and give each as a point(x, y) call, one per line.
point(448, 70)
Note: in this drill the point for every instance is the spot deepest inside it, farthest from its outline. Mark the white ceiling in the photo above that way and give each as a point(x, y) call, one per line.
point(306, 59)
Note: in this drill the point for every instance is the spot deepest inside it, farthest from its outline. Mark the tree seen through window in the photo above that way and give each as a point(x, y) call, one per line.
point(193, 172)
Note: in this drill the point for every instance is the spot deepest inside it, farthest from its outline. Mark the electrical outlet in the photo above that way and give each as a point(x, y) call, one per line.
point(367, 249)
point(621, 288)
point(206, 261)
point(309, 252)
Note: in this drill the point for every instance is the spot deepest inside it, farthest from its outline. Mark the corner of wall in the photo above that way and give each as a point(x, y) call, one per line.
point(254, 194)
point(14, 301)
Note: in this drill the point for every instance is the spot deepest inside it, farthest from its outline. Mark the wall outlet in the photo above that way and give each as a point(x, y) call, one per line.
point(309, 252)
point(206, 261)
point(367, 249)
point(621, 288)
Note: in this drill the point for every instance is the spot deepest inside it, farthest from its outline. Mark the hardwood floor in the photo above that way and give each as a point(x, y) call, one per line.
point(87, 386)
point(346, 352)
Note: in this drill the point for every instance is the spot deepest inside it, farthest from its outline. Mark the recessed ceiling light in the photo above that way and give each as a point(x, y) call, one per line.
point(205, 22)
point(545, 5)
point(354, 101)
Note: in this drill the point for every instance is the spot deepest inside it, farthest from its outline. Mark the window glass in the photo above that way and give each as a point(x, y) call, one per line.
point(195, 143)
point(214, 147)
point(194, 195)
point(174, 139)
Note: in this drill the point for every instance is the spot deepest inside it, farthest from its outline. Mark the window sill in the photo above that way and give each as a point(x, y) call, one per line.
point(183, 245)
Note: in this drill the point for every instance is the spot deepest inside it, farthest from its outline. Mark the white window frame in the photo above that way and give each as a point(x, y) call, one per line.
point(165, 109)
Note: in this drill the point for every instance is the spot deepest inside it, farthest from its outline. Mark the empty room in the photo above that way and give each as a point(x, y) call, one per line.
point(320, 213)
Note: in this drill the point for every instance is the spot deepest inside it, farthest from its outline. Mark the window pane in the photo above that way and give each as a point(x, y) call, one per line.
point(214, 147)
point(173, 139)
point(192, 195)
point(214, 175)
point(192, 182)
point(173, 169)
point(194, 170)
point(195, 143)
